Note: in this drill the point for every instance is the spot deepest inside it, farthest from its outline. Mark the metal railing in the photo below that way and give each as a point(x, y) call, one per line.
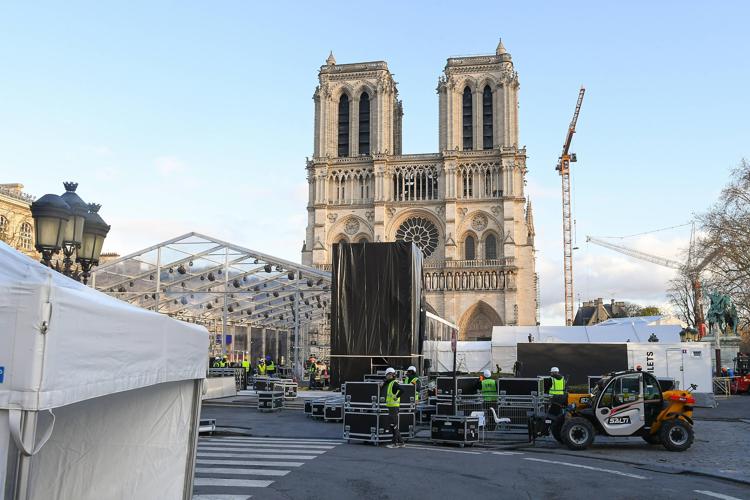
point(722, 387)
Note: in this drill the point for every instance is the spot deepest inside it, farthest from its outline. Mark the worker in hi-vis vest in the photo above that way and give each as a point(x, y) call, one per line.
point(393, 403)
point(489, 387)
point(558, 382)
point(411, 378)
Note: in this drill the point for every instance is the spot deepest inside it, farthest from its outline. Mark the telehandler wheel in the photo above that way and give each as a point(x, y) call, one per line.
point(676, 435)
point(556, 428)
point(577, 433)
point(652, 438)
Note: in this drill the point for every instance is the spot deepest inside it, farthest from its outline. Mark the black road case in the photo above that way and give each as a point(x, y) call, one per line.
point(333, 412)
point(374, 427)
point(449, 429)
point(270, 400)
point(308, 407)
point(318, 408)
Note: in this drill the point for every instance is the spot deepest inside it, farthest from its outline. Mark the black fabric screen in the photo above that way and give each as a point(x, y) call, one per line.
point(575, 361)
point(375, 305)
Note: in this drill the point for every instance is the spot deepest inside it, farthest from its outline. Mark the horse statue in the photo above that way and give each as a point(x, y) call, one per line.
point(722, 313)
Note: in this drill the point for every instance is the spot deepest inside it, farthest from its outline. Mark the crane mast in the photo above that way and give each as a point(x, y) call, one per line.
point(563, 168)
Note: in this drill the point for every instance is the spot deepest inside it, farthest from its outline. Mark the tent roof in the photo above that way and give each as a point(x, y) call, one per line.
point(62, 342)
point(633, 332)
point(200, 278)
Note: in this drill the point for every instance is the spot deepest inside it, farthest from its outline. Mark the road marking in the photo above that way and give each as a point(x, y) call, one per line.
point(278, 440)
point(243, 472)
point(238, 450)
point(215, 481)
point(268, 445)
point(507, 453)
point(251, 463)
point(716, 495)
point(579, 466)
point(221, 497)
point(253, 455)
point(440, 449)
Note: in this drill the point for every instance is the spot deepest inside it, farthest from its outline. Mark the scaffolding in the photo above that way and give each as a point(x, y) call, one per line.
point(229, 289)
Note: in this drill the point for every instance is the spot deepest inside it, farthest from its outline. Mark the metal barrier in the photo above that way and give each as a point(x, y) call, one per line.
point(722, 387)
point(516, 408)
point(240, 377)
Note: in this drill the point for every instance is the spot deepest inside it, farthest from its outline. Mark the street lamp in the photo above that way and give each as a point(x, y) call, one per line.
point(67, 223)
point(94, 232)
point(51, 215)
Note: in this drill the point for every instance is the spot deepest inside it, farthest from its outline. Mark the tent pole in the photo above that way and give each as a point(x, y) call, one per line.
point(224, 313)
point(296, 336)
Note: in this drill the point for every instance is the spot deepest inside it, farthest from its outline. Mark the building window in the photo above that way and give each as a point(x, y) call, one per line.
point(344, 125)
point(363, 239)
point(415, 183)
point(490, 247)
point(487, 117)
point(467, 177)
point(469, 246)
point(468, 129)
point(26, 236)
point(3, 228)
point(420, 231)
point(364, 124)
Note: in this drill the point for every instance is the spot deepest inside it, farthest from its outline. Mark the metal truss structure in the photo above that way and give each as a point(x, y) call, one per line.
point(204, 280)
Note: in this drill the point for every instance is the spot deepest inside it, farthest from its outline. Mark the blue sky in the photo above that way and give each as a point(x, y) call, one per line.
point(180, 116)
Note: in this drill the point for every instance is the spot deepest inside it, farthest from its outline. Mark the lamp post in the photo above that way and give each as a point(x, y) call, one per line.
point(67, 223)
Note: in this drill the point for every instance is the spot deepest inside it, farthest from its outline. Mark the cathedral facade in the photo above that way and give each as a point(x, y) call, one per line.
point(464, 206)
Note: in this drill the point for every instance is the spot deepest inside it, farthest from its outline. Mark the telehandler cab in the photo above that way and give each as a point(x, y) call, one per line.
point(628, 403)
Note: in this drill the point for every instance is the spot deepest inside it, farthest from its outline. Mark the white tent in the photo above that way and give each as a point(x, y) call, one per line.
point(471, 356)
point(506, 338)
point(98, 398)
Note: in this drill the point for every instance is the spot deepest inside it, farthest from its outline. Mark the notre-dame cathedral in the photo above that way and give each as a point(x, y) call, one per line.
point(464, 206)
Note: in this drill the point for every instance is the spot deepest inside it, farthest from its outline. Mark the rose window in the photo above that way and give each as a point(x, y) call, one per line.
point(420, 231)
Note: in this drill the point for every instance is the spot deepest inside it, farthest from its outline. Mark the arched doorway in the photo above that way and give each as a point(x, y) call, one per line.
point(477, 322)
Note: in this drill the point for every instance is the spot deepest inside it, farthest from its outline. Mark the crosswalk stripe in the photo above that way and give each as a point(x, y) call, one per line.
point(253, 455)
point(250, 449)
point(241, 472)
point(266, 445)
point(275, 440)
point(249, 463)
point(221, 497)
point(215, 481)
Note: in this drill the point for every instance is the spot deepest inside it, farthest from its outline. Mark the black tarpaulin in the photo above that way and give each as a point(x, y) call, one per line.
point(375, 304)
point(575, 361)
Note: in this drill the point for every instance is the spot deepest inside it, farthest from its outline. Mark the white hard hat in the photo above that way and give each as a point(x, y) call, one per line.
point(389, 370)
point(487, 374)
point(554, 369)
point(412, 368)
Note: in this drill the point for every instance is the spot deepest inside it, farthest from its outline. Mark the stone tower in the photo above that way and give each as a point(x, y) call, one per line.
point(464, 206)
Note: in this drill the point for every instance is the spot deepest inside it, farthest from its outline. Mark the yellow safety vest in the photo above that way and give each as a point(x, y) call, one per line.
point(262, 369)
point(558, 387)
point(391, 401)
point(489, 389)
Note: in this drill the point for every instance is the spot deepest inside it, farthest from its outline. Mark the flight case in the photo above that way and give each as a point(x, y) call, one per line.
point(451, 429)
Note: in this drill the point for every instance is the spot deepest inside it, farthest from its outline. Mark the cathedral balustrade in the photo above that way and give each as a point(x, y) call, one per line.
point(468, 280)
point(503, 262)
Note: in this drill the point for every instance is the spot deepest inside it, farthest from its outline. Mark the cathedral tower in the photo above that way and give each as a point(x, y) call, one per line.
point(464, 206)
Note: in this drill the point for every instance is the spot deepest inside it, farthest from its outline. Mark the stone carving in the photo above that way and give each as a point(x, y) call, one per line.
point(440, 210)
point(370, 214)
point(479, 222)
point(463, 211)
point(351, 227)
point(391, 211)
point(449, 241)
point(496, 210)
point(332, 217)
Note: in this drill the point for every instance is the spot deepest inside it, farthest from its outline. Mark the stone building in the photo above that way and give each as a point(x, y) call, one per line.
point(16, 223)
point(596, 311)
point(464, 206)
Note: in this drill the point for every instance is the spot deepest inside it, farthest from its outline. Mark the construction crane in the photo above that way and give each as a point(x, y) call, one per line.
point(563, 167)
point(692, 270)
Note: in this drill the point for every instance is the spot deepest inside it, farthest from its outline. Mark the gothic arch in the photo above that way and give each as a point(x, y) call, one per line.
point(394, 224)
point(492, 223)
point(462, 244)
point(467, 82)
point(343, 88)
point(498, 243)
point(477, 321)
point(359, 227)
point(365, 87)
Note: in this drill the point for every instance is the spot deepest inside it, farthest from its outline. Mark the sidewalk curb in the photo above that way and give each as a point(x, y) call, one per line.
point(645, 465)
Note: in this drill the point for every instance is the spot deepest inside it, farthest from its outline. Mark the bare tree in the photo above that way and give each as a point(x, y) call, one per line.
point(727, 227)
point(680, 293)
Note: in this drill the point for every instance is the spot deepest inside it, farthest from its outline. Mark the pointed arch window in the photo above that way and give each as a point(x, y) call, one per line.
point(26, 236)
point(487, 117)
point(343, 149)
point(469, 247)
point(468, 128)
point(490, 247)
point(364, 124)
